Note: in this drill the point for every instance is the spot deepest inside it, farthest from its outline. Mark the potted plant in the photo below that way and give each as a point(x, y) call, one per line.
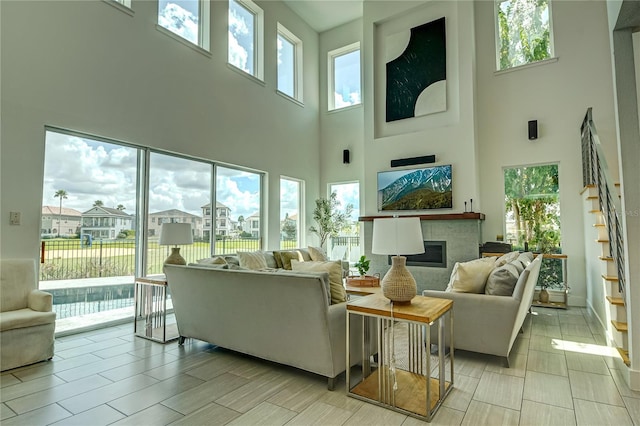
point(363, 265)
point(329, 219)
point(364, 280)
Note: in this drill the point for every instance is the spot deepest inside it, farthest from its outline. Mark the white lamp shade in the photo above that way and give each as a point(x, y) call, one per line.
point(397, 236)
point(175, 234)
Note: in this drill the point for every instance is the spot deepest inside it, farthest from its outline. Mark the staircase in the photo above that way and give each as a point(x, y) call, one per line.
point(603, 199)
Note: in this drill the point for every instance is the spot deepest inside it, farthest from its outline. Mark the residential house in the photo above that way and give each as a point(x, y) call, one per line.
point(223, 226)
point(252, 225)
point(56, 222)
point(134, 82)
point(105, 223)
point(156, 220)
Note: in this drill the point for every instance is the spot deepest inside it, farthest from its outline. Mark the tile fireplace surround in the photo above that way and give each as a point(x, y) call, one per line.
point(462, 232)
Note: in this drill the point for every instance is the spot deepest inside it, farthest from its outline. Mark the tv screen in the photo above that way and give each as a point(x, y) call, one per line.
point(415, 189)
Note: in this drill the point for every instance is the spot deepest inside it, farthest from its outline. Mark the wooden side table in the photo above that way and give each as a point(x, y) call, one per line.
point(418, 394)
point(150, 314)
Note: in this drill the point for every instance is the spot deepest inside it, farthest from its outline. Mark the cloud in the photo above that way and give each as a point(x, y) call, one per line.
point(289, 197)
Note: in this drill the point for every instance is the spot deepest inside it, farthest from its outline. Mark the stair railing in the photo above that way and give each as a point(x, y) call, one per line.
point(596, 172)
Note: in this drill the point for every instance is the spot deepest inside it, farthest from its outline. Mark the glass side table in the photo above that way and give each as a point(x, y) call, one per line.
point(150, 314)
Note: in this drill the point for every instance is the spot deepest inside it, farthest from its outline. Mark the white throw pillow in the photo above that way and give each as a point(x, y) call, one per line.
point(471, 277)
point(334, 268)
point(252, 260)
point(506, 258)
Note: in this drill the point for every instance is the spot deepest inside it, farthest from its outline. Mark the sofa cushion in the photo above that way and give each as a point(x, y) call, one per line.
point(232, 260)
point(270, 259)
point(216, 260)
point(334, 268)
point(288, 256)
point(471, 277)
point(502, 279)
point(506, 258)
point(252, 260)
point(317, 254)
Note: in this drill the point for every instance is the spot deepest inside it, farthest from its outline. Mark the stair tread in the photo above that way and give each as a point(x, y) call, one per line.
point(615, 300)
point(609, 277)
point(592, 197)
point(595, 211)
point(599, 225)
point(624, 354)
point(619, 325)
point(606, 258)
point(602, 240)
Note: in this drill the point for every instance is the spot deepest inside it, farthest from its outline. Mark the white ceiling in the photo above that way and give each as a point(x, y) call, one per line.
point(323, 15)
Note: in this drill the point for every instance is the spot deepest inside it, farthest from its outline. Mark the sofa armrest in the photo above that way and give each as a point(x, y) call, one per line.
point(40, 301)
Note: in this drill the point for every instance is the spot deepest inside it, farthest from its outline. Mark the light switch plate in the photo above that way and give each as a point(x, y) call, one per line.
point(14, 218)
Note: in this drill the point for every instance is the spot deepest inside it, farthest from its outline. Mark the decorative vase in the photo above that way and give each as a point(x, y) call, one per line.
point(175, 258)
point(543, 296)
point(398, 285)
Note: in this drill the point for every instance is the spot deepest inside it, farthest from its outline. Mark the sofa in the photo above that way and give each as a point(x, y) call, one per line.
point(281, 316)
point(27, 320)
point(490, 323)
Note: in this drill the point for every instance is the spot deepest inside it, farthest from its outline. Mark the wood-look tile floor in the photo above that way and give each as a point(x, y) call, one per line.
point(561, 374)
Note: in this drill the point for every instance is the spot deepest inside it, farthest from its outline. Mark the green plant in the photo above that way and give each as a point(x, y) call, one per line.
point(329, 219)
point(362, 265)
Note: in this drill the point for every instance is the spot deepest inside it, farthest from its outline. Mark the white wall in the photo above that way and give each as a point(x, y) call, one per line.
point(89, 67)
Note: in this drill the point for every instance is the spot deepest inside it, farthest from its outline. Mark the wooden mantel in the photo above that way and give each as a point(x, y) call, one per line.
point(447, 216)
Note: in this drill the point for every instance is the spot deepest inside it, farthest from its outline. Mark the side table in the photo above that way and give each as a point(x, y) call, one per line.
point(417, 394)
point(150, 314)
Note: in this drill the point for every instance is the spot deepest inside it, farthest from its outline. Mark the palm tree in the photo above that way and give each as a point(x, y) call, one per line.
point(63, 195)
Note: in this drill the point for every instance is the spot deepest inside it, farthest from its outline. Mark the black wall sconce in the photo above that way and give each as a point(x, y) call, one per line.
point(533, 130)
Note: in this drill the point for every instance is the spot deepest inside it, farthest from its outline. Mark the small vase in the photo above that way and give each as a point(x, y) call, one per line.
point(543, 296)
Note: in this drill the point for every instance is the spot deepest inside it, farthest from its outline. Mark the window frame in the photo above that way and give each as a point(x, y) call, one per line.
point(283, 32)
point(204, 28)
point(331, 80)
point(300, 222)
point(551, 58)
point(258, 38)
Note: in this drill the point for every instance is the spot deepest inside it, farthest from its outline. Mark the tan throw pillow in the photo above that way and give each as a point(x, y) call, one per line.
point(278, 258)
point(317, 254)
point(218, 260)
point(506, 258)
point(334, 268)
point(502, 280)
point(471, 276)
point(288, 256)
point(252, 260)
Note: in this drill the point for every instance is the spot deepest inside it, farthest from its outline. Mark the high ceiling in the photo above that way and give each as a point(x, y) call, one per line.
point(323, 15)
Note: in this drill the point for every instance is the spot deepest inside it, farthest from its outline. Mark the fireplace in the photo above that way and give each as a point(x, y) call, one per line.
point(434, 256)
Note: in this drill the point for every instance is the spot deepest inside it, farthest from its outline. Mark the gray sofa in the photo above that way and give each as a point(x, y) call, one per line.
point(284, 317)
point(489, 324)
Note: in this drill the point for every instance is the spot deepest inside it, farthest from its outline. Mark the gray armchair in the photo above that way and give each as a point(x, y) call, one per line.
point(27, 320)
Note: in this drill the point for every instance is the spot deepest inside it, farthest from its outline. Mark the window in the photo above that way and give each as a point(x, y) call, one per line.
point(289, 63)
point(239, 192)
point(126, 3)
point(344, 77)
point(189, 19)
point(523, 32)
point(348, 197)
point(245, 36)
point(290, 202)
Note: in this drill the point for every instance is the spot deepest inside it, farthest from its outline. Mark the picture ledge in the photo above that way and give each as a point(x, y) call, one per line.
point(445, 216)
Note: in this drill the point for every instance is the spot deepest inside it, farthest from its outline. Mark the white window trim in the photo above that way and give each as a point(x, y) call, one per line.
point(297, 63)
point(331, 55)
point(302, 241)
point(204, 27)
point(258, 38)
point(496, 28)
point(124, 6)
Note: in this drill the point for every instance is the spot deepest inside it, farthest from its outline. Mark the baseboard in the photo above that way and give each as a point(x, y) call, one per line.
point(634, 380)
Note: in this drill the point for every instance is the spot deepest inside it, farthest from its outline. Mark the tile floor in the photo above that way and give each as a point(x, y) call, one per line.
point(561, 374)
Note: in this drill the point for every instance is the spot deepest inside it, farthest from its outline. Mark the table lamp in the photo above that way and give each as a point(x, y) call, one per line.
point(396, 236)
point(175, 234)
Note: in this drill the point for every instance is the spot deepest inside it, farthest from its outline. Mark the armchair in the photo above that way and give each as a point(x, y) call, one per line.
point(27, 320)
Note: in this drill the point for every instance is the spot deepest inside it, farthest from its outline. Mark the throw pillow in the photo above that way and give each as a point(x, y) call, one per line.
point(334, 268)
point(218, 260)
point(288, 256)
point(270, 259)
point(317, 254)
point(506, 258)
point(471, 276)
point(502, 280)
point(278, 258)
point(526, 258)
point(252, 260)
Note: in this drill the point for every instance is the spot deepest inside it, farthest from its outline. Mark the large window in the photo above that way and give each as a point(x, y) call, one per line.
point(348, 240)
point(187, 18)
point(344, 77)
point(246, 37)
point(239, 198)
point(289, 63)
point(290, 215)
point(523, 32)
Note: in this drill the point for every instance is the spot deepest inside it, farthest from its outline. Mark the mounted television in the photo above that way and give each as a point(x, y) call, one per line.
point(415, 189)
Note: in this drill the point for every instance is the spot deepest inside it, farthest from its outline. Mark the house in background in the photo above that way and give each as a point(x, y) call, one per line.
point(252, 225)
point(174, 216)
point(105, 222)
point(67, 220)
point(223, 226)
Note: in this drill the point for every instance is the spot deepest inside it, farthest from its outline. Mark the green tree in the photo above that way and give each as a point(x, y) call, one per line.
point(98, 203)
point(523, 27)
point(329, 218)
point(289, 228)
point(240, 222)
point(121, 207)
point(62, 194)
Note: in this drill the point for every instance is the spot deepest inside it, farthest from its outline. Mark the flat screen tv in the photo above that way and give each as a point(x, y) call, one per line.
point(415, 189)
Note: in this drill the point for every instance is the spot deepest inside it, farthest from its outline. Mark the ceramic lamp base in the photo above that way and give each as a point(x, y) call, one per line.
point(175, 258)
point(398, 285)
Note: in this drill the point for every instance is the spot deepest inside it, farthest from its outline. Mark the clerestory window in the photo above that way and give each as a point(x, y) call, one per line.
point(246, 40)
point(344, 77)
point(188, 19)
point(289, 64)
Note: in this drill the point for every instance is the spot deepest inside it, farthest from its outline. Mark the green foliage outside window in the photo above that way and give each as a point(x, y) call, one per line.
point(524, 31)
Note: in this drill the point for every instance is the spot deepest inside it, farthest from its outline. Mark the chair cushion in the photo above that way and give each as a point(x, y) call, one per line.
point(17, 279)
point(23, 318)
